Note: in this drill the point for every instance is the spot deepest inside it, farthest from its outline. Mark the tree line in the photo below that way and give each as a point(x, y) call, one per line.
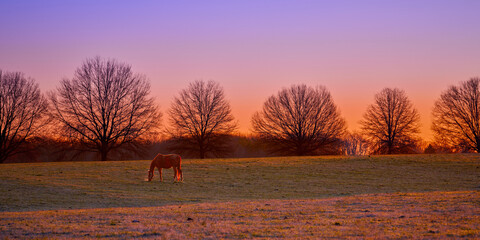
point(106, 108)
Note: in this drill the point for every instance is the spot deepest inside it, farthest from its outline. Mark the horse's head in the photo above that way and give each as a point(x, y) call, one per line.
point(150, 175)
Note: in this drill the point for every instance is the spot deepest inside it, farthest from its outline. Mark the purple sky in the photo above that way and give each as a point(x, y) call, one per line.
point(254, 48)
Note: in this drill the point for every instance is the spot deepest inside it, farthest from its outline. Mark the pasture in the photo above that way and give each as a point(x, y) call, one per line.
point(257, 197)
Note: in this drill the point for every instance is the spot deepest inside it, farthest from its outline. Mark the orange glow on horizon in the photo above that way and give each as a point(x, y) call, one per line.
point(255, 48)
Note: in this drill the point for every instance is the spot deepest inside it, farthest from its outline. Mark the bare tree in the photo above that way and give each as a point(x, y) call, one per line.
point(300, 120)
point(104, 106)
point(391, 123)
point(201, 120)
point(355, 144)
point(22, 108)
point(456, 117)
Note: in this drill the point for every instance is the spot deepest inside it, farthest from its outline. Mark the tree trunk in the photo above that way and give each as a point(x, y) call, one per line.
point(390, 148)
point(104, 152)
point(202, 151)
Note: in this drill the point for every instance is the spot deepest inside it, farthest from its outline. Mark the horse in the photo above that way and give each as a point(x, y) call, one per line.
point(167, 161)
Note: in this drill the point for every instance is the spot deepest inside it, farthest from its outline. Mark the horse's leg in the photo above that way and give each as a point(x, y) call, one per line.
point(175, 174)
point(160, 172)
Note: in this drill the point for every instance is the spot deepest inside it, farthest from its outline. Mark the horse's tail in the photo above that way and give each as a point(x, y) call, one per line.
point(179, 168)
point(179, 161)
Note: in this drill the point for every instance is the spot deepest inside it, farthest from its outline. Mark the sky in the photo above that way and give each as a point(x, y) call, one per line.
point(254, 48)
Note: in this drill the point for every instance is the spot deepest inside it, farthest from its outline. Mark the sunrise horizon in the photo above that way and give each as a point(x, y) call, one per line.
point(253, 50)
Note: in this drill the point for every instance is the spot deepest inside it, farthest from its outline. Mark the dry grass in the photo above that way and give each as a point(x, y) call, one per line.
point(397, 215)
point(77, 185)
point(411, 196)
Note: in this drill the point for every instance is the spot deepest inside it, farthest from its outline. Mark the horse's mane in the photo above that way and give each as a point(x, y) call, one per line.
point(152, 165)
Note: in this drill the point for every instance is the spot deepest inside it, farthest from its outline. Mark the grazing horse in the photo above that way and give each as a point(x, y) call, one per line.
point(167, 161)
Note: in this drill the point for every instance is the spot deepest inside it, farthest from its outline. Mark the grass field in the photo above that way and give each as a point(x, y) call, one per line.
point(119, 202)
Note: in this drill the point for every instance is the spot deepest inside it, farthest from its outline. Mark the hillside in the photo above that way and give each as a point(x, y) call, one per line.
point(78, 185)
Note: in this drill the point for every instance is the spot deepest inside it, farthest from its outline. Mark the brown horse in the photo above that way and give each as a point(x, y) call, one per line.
point(167, 161)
